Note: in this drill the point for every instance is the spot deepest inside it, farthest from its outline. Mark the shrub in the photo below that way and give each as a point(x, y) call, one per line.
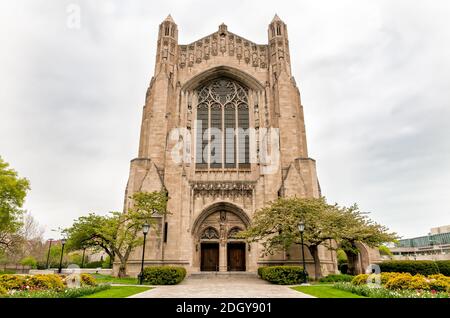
point(46, 281)
point(29, 261)
point(341, 257)
point(412, 267)
point(360, 279)
point(88, 280)
point(164, 275)
point(260, 271)
point(333, 278)
point(283, 275)
point(343, 268)
point(439, 282)
point(419, 282)
point(367, 291)
point(67, 293)
point(407, 281)
point(401, 281)
point(3, 291)
point(107, 263)
point(10, 281)
point(386, 276)
point(444, 267)
point(384, 250)
point(97, 264)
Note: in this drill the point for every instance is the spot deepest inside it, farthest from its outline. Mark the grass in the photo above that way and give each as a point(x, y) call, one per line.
point(116, 280)
point(325, 291)
point(118, 292)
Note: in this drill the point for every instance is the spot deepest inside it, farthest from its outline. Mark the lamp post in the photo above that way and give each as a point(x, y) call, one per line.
point(145, 229)
point(63, 242)
point(48, 254)
point(301, 228)
point(82, 260)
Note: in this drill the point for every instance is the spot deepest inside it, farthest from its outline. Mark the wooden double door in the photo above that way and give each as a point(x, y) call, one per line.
point(210, 257)
point(236, 256)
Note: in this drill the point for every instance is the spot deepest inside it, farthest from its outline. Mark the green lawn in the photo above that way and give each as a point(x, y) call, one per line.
point(116, 280)
point(118, 292)
point(325, 291)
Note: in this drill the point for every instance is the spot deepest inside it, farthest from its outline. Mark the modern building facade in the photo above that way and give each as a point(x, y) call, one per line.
point(223, 133)
point(434, 246)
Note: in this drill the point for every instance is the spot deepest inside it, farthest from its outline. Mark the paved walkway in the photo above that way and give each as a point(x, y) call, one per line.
point(222, 287)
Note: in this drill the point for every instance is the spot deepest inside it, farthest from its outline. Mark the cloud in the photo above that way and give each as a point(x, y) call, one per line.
point(373, 77)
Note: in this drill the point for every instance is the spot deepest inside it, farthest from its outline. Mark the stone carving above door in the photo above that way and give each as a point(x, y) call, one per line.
point(222, 188)
point(210, 233)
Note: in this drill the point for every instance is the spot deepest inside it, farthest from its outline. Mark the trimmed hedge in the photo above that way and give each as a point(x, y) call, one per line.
point(334, 278)
point(164, 275)
point(444, 267)
point(7, 272)
point(282, 275)
point(413, 267)
point(97, 264)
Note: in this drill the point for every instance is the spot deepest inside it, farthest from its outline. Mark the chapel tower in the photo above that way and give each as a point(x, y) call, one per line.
point(223, 133)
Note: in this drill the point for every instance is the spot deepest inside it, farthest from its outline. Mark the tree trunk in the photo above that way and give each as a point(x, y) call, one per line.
point(352, 263)
point(122, 267)
point(122, 270)
point(314, 249)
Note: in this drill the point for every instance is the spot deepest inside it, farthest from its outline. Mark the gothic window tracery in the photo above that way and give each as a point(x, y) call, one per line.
point(222, 107)
point(232, 234)
point(210, 233)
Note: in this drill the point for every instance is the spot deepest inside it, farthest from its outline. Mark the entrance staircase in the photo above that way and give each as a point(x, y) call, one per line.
point(223, 275)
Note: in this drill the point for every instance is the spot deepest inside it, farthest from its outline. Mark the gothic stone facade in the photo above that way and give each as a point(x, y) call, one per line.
point(224, 81)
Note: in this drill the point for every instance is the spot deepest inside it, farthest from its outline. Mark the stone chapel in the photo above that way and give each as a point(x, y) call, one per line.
point(223, 133)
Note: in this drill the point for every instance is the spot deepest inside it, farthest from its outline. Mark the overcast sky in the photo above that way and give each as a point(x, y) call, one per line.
point(374, 78)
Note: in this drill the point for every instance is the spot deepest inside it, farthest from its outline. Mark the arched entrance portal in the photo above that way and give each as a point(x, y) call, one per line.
point(217, 247)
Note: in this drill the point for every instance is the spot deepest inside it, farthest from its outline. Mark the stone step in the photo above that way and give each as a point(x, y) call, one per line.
point(224, 275)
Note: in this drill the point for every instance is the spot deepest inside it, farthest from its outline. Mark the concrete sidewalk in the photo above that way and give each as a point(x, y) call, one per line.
point(222, 287)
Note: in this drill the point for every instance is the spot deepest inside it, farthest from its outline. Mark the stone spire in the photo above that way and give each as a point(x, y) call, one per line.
point(169, 19)
point(276, 18)
point(279, 46)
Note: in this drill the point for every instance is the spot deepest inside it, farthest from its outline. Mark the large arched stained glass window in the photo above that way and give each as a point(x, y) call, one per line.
point(222, 136)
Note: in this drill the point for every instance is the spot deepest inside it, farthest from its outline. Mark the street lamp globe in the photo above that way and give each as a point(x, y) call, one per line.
point(63, 241)
point(145, 228)
point(301, 227)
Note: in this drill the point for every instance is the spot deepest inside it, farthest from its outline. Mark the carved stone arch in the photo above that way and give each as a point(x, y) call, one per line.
point(223, 71)
point(220, 206)
point(360, 259)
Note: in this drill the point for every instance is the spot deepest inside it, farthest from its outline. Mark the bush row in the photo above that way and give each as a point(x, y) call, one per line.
point(164, 275)
point(417, 267)
point(282, 275)
point(368, 291)
point(51, 282)
point(406, 281)
point(67, 293)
